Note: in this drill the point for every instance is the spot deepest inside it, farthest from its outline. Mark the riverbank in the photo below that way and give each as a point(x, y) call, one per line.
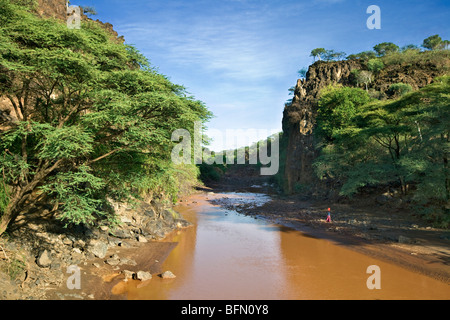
point(380, 230)
point(41, 260)
point(401, 241)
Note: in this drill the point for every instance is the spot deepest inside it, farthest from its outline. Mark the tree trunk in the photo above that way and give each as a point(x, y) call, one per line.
point(22, 195)
point(10, 213)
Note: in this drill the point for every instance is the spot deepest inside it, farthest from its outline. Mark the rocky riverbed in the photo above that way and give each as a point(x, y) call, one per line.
point(38, 255)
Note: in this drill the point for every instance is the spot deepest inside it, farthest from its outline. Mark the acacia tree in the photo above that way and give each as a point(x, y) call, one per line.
point(433, 42)
point(90, 118)
point(318, 53)
point(385, 48)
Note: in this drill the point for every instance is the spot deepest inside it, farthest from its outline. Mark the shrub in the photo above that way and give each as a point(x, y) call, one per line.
point(400, 89)
point(375, 65)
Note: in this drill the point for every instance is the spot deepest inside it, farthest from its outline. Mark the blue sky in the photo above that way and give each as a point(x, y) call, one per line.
point(240, 57)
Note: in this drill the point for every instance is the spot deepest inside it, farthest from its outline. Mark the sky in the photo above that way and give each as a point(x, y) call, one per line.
point(240, 57)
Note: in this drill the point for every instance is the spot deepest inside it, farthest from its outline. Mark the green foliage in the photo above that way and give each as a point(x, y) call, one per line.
point(411, 57)
point(212, 172)
point(402, 142)
point(433, 42)
point(318, 53)
point(365, 55)
point(385, 48)
point(375, 65)
point(400, 89)
point(337, 107)
point(89, 11)
point(302, 73)
point(95, 119)
point(331, 55)
point(409, 47)
point(4, 195)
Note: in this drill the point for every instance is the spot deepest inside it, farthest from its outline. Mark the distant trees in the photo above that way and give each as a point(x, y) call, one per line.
point(363, 76)
point(380, 50)
point(375, 65)
point(89, 11)
point(302, 73)
point(435, 42)
point(332, 55)
point(318, 53)
point(327, 55)
point(446, 44)
point(365, 55)
point(410, 47)
point(385, 48)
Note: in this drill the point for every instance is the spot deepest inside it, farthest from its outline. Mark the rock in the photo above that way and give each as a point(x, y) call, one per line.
point(181, 223)
point(168, 275)
point(142, 239)
point(143, 275)
point(128, 275)
point(127, 261)
point(44, 260)
point(67, 242)
point(121, 234)
point(126, 219)
point(113, 262)
point(98, 248)
point(80, 243)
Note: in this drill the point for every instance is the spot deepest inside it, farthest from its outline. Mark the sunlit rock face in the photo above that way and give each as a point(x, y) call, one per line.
point(299, 117)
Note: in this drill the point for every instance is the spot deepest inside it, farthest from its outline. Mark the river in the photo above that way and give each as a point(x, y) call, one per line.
point(230, 256)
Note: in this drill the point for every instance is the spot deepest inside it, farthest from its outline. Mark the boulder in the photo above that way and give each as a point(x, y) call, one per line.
point(128, 275)
point(44, 260)
point(143, 275)
point(98, 248)
point(168, 275)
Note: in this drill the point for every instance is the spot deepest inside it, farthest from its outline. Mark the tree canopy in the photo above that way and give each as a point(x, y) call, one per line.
point(385, 48)
point(402, 141)
point(91, 119)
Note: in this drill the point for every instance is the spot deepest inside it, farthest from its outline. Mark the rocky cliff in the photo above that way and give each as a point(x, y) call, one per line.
point(57, 9)
point(299, 117)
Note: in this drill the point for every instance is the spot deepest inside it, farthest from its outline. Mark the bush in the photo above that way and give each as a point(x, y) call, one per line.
point(400, 89)
point(375, 65)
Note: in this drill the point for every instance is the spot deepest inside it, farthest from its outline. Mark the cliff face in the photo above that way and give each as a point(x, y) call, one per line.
point(52, 9)
point(57, 9)
point(299, 117)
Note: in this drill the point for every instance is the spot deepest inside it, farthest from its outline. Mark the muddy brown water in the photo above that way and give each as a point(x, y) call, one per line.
point(228, 256)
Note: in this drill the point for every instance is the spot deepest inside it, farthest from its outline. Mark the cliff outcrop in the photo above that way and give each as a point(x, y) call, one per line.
point(299, 116)
point(57, 9)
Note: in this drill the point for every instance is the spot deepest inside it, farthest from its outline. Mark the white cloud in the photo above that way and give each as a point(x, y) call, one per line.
point(235, 46)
